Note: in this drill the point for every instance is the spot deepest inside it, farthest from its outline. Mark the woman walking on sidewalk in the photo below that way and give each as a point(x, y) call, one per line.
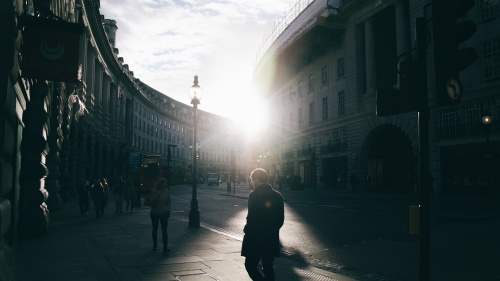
point(97, 193)
point(160, 212)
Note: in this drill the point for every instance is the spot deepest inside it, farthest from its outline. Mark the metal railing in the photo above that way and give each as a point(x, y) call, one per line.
point(292, 21)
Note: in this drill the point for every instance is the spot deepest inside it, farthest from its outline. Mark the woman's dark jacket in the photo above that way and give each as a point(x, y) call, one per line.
point(266, 214)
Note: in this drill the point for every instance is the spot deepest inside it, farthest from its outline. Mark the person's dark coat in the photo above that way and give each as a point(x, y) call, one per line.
point(97, 192)
point(266, 215)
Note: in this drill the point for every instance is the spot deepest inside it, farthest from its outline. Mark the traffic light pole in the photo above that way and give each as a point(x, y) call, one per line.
point(423, 135)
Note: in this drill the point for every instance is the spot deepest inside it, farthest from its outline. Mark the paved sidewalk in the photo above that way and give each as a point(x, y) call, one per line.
point(119, 247)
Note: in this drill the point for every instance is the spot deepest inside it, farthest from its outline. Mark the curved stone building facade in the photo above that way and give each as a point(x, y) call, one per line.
point(55, 135)
point(321, 68)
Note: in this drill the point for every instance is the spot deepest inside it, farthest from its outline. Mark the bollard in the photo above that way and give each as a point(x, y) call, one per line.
point(413, 219)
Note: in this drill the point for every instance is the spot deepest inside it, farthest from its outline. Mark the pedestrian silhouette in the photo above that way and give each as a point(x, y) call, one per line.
point(266, 215)
point(83, 197)
point(97, 194)
point(105, 189)
point(160, 212)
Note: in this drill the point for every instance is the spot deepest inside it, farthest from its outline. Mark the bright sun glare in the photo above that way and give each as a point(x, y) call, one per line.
point(250, 114)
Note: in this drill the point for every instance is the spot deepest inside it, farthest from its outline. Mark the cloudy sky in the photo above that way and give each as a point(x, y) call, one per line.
point(167, 42)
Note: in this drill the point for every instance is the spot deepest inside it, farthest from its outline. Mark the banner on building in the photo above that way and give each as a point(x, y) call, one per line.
point(51, 49)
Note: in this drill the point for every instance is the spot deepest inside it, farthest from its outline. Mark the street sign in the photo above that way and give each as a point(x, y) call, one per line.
point(135, 158)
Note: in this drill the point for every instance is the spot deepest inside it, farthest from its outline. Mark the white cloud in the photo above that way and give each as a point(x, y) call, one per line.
point(166, 42)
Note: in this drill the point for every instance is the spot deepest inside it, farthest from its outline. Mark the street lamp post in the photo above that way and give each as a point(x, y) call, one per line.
point(487, 122)
point(486, 119)
point(195, 94)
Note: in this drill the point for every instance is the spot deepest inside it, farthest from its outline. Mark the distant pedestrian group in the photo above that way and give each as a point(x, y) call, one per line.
point(124, 191)
point(83, 197)
point(99, 193)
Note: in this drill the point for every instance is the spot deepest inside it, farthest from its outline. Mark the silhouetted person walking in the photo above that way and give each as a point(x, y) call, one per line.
point(97, 192)
point(105, 188)
point(266, 214)
point(83, 197)
point(160, 212)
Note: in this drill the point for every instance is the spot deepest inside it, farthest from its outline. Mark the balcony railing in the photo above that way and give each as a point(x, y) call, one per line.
point(465, 120)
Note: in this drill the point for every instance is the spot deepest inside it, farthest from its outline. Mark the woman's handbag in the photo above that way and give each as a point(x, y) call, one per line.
point(151, 197)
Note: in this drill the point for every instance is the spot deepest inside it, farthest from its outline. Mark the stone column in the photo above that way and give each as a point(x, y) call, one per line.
point(99, 158)
point(72, 154)
point(53, 158)
point(90, 161)
point(105, 102)
point(80, 147)
point(371, 76)
point(33, 211)
point(113, 109)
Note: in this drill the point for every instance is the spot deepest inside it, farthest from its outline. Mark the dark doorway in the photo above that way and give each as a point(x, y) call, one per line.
point(390, 160)
point(335, 172)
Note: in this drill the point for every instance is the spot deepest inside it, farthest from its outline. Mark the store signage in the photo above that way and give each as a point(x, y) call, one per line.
point(51, 49)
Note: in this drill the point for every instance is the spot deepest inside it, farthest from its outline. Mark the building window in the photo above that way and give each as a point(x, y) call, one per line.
point(300, 119)
point(491, 58)
point(489, 9)
point(341, 103)
point(472, 117)
point(340, 67)
point(336, 138)
point(311, 113)
point(311, 83)
point(448, 122)
point(301, 88)
point(325, 108)
point(324, 75)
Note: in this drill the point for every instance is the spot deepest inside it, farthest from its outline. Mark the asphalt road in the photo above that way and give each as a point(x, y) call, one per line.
point(363, 236)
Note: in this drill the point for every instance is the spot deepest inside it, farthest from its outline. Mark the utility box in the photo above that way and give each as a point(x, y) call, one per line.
point(413, 219)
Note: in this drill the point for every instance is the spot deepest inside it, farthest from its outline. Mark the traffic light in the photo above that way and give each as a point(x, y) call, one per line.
point(391, 101)
point(450, 29)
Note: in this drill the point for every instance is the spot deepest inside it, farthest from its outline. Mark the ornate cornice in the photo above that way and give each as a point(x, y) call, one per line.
point(105, 50)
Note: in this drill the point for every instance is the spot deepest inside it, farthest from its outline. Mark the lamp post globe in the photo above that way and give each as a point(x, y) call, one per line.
point(486, 119)
point(195, 94)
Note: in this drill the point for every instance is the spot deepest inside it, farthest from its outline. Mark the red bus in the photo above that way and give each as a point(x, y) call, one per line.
point(150, 171)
